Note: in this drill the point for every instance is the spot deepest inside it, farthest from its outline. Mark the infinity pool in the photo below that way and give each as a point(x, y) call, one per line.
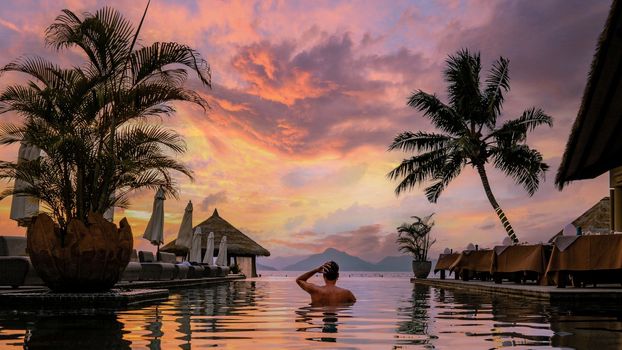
point(272, 313)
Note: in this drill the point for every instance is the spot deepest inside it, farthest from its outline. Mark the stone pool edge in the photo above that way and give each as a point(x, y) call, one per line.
point(550, 293)
point(123, 295)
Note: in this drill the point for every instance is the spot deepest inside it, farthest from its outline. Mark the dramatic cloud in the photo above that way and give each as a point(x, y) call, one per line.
point(307, 96)
point(213, 199)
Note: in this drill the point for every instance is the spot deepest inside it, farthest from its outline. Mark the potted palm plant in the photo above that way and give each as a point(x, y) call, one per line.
point(92, 123)
point(414, 238)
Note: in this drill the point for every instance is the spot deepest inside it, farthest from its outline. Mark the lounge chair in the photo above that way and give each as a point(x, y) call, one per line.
point(154, 270)
point(181, 271)
point(196, 271)
point(133, 269)
point(210, 270)
point(15, 266)
point(444, 262)
point(222, 271)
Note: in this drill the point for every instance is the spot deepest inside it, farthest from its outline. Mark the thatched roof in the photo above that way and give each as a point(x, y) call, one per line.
point(594, 220)
point(594, 144)
point(238, 244)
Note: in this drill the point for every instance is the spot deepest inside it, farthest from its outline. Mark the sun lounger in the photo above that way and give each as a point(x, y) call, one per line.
point(474, 264)
point(13, 270)
point(133, 269)
point(586, 260)
point(15, 266)
point(196, 271)
point(222, 271)
point(520, 263)
point(154, 270)
point(181, 271)
point(210, 271)
point(444, 262)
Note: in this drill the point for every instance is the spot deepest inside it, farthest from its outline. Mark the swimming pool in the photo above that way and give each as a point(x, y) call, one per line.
point(271, 312)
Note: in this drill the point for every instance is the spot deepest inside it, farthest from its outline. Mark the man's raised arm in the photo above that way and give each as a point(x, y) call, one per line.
point(302, 279)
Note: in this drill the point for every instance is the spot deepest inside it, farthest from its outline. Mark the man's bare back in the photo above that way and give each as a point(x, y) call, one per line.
point(329, 294)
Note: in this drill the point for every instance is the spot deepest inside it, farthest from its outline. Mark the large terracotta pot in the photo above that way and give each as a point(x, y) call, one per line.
point(91, 258)
point(421, 269)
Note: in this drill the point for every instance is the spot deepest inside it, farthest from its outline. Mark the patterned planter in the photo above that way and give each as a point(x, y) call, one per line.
point(92, 257)
point(421, 269)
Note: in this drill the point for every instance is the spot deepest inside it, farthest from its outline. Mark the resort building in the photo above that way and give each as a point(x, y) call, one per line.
point(595, 146)
point(241, 249)
point(594, 221)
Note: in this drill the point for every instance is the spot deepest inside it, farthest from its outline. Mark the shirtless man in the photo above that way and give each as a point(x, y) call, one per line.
point(329, 293)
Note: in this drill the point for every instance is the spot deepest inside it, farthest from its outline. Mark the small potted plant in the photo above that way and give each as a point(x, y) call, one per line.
point(415, 239)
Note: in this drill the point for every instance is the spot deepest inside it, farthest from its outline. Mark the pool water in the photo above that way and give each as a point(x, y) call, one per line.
point(271, 312)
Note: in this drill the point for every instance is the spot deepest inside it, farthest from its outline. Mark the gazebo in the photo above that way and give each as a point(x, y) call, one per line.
point(241, 248)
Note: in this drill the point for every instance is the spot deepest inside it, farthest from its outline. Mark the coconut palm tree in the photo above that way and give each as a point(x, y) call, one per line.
point(92, 121)
point(414, 238)
point(469, 134)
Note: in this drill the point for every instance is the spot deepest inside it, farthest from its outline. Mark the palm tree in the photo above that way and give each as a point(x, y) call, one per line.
point(92, 121)
point(469, 134)
point(414, 238)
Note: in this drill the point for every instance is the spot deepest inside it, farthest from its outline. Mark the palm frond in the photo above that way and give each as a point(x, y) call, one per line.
point(441, 115)
point(523, 164)
point(462, 77)
point(419, 141)
point(497, 83)
point(150, 62)
point(515, 131)
point(452, 167)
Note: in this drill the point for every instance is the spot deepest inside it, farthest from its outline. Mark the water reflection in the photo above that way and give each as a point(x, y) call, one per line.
point(70, 331)
point(414, 317)
point(273, 313)
point(324, 319)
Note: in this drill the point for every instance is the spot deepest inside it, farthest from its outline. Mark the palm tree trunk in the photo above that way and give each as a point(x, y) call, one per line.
point(504, 220)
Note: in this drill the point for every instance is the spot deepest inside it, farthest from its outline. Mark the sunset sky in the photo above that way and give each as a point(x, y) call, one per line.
point(308, 95)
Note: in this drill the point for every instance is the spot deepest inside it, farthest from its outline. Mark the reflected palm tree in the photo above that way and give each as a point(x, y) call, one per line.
point(415, 316)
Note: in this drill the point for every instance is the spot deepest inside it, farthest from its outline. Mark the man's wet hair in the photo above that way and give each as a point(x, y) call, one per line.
point(331, 272)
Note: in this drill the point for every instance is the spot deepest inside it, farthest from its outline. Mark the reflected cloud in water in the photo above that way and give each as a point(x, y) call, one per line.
point(271, 313)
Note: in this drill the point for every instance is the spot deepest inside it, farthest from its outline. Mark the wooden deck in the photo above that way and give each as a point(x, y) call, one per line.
point(552, 293)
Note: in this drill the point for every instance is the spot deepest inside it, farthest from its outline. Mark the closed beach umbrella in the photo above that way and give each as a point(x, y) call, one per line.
point(222, 260)
point(209, 253)
point(109, 213)
point(24, 207)
point(154, 232)
point(195, 248)
point(184, 237)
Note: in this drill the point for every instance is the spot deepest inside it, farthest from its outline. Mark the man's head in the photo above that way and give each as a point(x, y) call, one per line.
point(331, 271)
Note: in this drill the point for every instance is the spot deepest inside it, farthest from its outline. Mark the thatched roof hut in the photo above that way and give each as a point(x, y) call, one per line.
point(594, 145)
point(595, 220)
point(238, 244)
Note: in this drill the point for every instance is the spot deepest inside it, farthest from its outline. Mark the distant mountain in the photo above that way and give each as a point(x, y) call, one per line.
point(395, 263)
point(262, 267)
point(279, 262)
point(346, 262)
